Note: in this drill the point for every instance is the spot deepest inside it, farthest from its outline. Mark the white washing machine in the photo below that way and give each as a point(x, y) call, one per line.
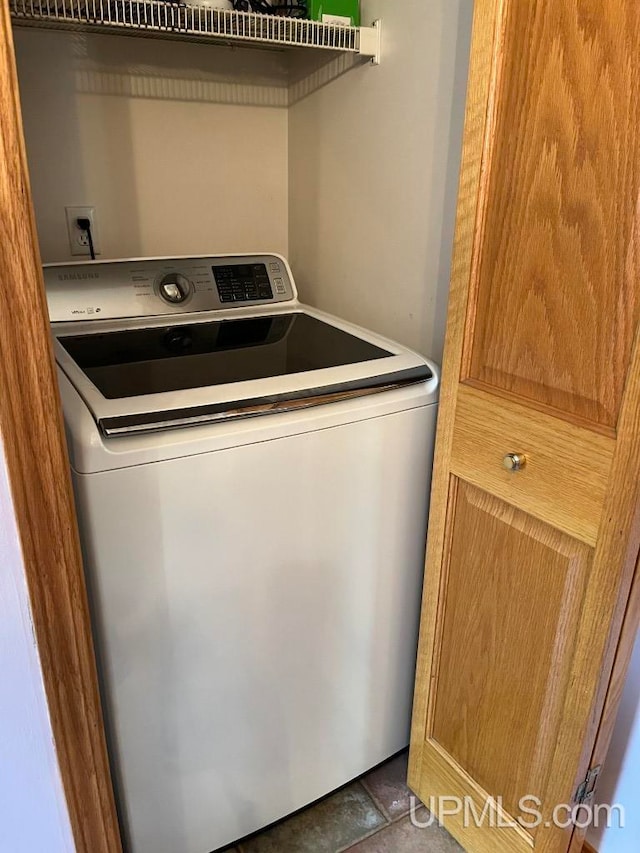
point(252, 481)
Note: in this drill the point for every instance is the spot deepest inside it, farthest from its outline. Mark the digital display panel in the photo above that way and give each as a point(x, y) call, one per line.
point(242, 282)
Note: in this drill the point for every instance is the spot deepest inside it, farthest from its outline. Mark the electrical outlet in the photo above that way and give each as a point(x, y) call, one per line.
point(78, 240)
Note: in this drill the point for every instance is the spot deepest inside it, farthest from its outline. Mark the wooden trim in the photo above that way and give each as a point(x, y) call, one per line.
point(615, 688)
point(32, 433)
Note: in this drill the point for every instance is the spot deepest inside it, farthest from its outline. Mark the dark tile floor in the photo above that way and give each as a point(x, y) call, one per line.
point(372, 815)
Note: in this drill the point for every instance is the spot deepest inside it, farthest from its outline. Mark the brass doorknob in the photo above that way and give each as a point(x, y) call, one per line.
point(514, 461)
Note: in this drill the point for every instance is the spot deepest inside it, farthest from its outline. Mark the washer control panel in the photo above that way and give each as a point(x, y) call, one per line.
point(243, 282)
point(158, 286)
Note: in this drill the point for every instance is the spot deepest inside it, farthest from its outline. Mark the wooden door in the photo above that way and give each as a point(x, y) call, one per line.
point(528, 571)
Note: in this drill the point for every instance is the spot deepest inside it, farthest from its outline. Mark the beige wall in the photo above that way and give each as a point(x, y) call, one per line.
point(374, 160)
point(182, 148)
point(187, 148)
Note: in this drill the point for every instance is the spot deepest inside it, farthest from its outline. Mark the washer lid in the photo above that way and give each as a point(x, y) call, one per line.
point(161, 376)
point(139, 362)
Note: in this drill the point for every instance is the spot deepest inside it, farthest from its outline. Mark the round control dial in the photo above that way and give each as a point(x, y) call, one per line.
point(174, 288)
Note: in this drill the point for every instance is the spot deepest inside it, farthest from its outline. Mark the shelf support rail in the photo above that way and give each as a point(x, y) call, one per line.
point(193, 21)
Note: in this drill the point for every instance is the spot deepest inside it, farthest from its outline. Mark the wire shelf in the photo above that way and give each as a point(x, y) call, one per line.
point(172, 19)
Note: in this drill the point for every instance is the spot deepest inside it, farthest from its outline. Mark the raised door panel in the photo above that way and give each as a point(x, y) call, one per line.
point(556, 299)
point(513, 598)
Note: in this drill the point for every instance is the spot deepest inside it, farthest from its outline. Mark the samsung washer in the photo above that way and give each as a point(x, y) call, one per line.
point(252, 480)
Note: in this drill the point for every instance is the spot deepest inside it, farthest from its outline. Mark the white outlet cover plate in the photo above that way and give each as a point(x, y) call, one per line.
point(75, 246)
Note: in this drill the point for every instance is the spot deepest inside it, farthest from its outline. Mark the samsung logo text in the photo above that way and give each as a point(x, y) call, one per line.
point(78, 276)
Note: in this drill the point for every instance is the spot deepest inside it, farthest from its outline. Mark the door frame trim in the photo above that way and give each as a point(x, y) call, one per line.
point(615, 688)
point(31, 428)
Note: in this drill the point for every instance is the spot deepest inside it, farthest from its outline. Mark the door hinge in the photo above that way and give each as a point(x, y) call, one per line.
point(587, 788)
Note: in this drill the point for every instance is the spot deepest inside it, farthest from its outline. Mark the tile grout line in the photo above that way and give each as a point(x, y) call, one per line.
point(377, 804)
point(381, 811)
point(380, 806)
point(389, 820)
point(364, 838)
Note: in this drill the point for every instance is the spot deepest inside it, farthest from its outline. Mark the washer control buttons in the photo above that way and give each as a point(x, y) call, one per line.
point(174, 288)
point(242, 282)
point(279, 285)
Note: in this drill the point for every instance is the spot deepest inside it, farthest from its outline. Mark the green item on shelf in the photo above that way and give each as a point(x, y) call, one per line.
point(335, 11)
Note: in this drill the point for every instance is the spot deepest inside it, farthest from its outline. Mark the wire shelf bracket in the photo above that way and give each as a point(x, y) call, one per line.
point(156, 18)
point(371, 42)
